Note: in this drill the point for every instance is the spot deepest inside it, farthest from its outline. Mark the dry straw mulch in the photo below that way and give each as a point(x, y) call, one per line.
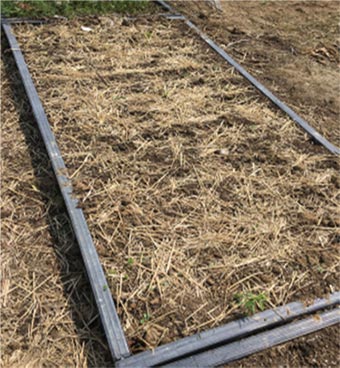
point(47, 313)
point(194, 187)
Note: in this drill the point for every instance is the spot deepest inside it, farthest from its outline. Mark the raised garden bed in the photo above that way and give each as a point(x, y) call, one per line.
point(196, 191)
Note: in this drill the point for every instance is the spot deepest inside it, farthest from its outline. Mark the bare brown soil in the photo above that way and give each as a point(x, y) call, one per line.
point(292, 47)
point(193, 186)
point(48, 317)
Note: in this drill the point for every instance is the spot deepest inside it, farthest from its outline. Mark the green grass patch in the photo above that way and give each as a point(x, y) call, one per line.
point(70, 9)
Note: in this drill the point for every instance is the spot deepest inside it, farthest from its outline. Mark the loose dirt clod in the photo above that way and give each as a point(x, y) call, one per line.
point(195, 189)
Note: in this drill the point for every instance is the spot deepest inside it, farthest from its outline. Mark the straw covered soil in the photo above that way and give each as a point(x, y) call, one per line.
point(47, 313)
point(195, 189)
point(293, 47)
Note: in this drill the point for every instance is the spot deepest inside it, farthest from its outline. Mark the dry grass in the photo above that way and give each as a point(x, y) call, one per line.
point(47, 313)
point(194, 188)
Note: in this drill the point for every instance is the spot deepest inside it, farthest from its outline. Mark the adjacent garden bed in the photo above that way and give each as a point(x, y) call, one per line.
point(204, 202)
point(46, 313)
point(291, 47)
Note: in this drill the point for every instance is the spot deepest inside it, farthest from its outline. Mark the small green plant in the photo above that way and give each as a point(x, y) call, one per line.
point(146, 317)
point(130, 261)
point(105, 287)
point(148, 34)
point(320, 269)
point(250, 301)
point(112, 272)
point(165, 93)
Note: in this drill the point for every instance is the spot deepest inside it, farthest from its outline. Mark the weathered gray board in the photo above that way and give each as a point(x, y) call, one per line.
point(228, 333)
point(253, 344)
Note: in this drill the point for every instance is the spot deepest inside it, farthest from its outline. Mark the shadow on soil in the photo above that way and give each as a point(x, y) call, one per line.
point(75, 284)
